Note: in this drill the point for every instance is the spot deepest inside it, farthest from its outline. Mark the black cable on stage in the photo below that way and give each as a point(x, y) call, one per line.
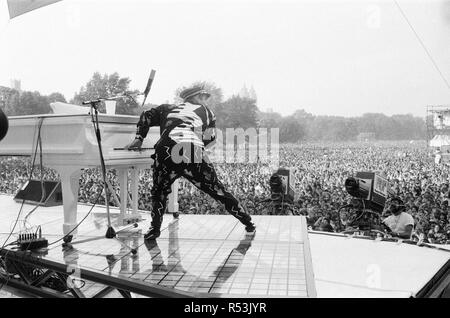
point(363, 211)
point(21, 207)
point(79, 223)
point(43, 194)
point(92, 207)
point(23, 201)
point(39, 143)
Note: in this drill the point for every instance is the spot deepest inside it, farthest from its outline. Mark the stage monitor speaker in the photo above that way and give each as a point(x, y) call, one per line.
point(3, 124)
point(31, 192)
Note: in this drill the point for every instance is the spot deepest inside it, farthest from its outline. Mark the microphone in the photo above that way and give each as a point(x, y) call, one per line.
point(96, 101)
point(149, 85)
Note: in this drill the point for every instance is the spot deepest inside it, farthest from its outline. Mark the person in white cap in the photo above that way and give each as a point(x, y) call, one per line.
point(186, 129)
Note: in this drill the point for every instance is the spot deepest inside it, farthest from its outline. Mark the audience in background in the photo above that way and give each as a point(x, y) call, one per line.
point(321, 170)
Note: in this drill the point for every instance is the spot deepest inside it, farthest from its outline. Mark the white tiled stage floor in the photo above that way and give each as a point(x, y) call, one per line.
point(211, 254)
point(201, 254)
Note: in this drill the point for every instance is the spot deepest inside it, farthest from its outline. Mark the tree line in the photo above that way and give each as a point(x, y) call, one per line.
point(303, 126)
point(239, 110)
point(16, 103)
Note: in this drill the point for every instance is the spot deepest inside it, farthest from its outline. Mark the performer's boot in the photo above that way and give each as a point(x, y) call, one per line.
point(154, 231)
point(249, 225)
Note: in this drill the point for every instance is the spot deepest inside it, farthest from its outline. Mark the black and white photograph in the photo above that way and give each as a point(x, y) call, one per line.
point(225, 154)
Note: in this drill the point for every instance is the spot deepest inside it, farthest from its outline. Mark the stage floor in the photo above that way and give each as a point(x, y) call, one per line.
point(211, 255)
point(206, 255)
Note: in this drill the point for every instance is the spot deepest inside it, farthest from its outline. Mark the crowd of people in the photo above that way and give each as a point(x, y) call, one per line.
point(320, 172)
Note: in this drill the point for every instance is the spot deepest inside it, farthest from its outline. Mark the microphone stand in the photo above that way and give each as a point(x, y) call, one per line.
point(110, 232)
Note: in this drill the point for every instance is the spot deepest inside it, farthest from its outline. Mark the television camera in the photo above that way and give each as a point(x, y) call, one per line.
point(282, 193)
point(370, 192)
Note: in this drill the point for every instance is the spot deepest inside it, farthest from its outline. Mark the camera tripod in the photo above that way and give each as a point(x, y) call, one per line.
point(280, 207)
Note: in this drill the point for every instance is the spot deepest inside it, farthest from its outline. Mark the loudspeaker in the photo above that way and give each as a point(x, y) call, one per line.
point(377, 187)
point(3, 124)
point(31, 192)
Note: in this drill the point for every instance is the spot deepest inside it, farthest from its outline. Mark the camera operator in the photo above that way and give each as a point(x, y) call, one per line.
point(399, 223)
point(323, 224)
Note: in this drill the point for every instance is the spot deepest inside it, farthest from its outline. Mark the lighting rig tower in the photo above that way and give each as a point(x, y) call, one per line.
point(438, 129)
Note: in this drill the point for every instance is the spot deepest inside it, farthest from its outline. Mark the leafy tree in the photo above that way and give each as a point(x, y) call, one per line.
point(107, 86)
point(409, 127)
point(252, 93)
point(336, 128)
point(302, 115)
point(11, 101)
point(238, 112)
point(30, 103)
point(377, 123)
point(244, 92)
point(291, 130)
point(56, 97)
point(269, 119)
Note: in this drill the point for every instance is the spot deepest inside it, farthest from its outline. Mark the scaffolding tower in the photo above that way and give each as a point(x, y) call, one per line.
point(437, 121)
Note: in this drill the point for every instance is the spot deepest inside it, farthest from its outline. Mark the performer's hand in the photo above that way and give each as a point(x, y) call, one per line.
point(134, 145)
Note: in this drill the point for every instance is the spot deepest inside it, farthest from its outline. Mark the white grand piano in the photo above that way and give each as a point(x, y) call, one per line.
point(69, 145)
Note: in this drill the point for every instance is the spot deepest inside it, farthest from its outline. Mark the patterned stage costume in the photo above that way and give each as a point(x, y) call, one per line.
point(185, 131)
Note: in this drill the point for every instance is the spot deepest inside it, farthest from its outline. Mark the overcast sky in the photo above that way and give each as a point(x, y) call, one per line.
point(327, 57)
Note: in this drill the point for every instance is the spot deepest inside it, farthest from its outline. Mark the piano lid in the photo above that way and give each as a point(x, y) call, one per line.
point(102, 118)
point(68, 109)
point(70, 140)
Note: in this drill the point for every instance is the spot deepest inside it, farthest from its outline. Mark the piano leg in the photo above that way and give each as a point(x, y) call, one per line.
point(70, 178)
point(123, 182)
point(135, 189)
point(126, 218)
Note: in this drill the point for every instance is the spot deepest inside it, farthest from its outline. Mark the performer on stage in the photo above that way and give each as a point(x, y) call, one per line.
point(186, 129)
